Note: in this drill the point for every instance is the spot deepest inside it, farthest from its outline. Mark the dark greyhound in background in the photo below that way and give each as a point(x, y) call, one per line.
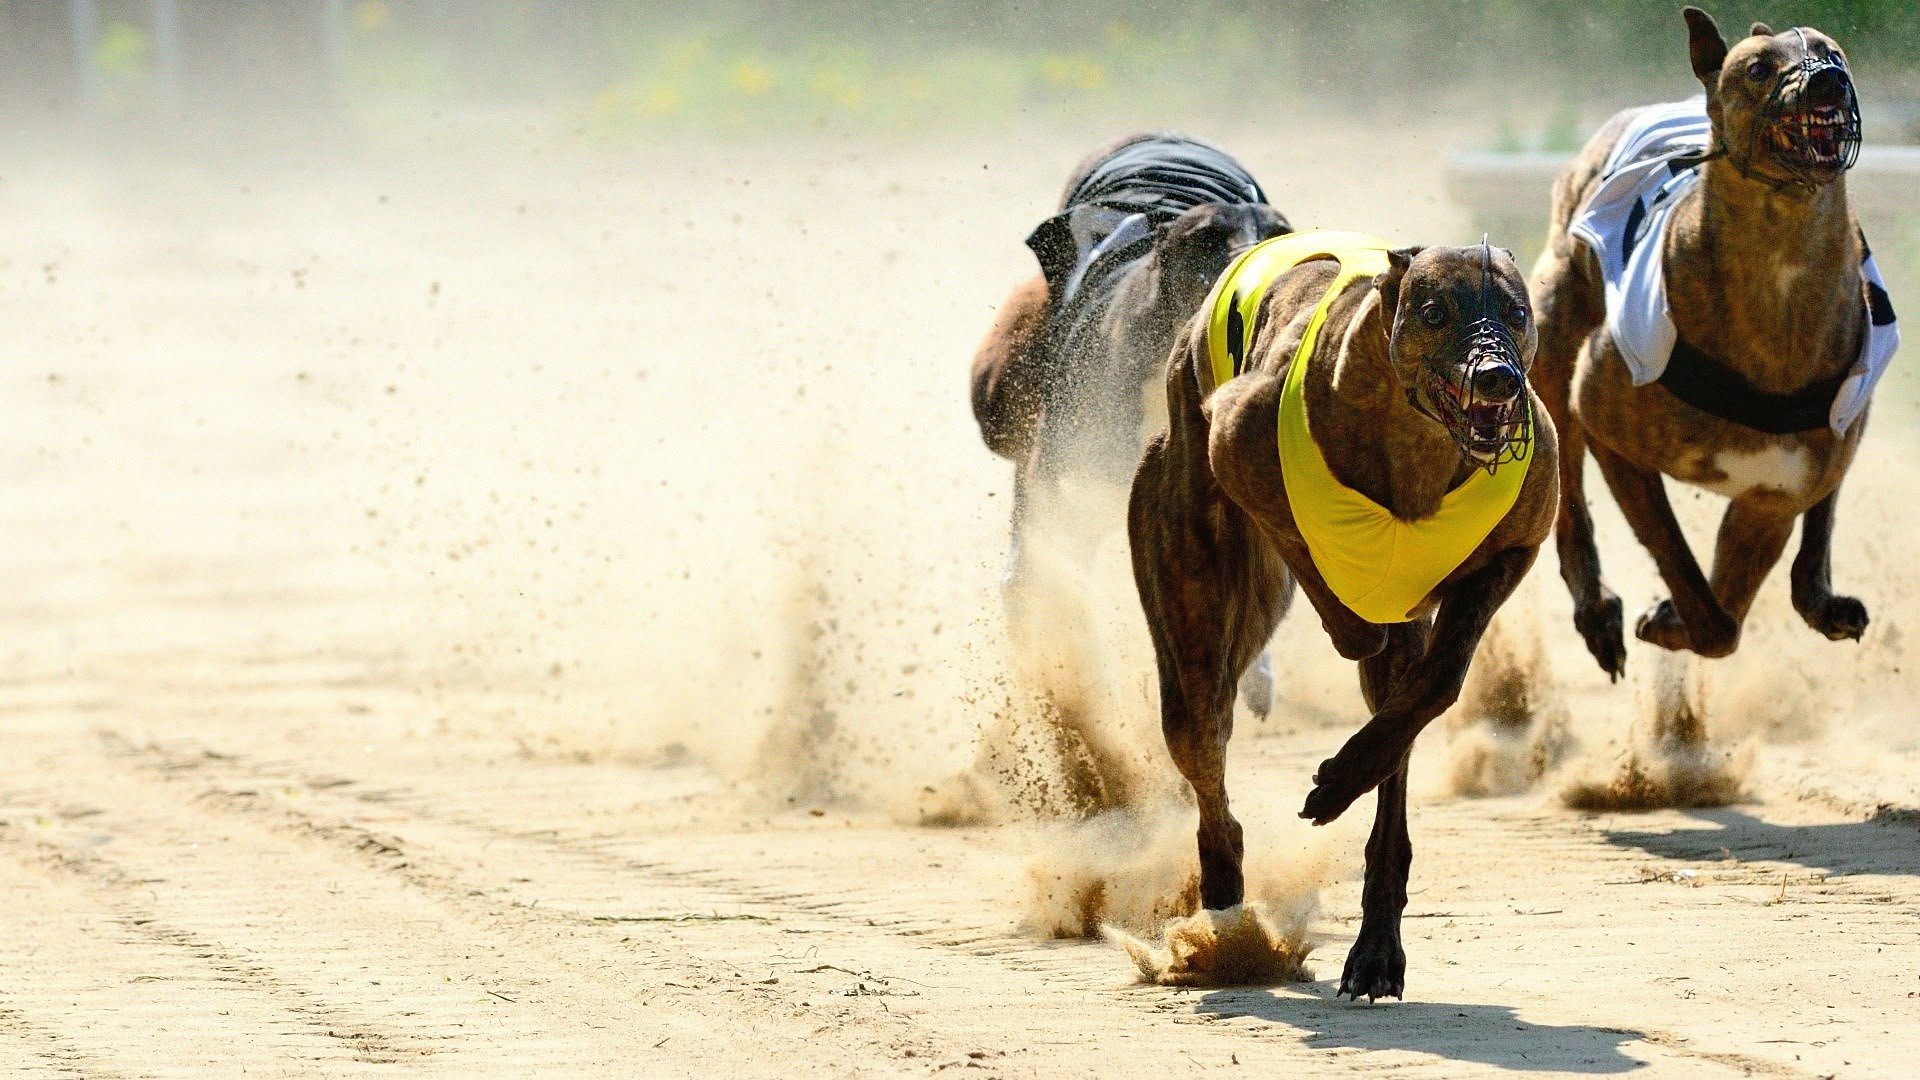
point(1061, 382)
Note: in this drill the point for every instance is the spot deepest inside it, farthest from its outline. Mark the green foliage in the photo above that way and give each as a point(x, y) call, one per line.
point(742, 79)
point(623, 67)
point(123, 50)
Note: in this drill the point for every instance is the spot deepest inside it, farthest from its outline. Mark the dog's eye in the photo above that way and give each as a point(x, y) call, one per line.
point(1517, 317)
point(1760, 69)
point(1433, 313)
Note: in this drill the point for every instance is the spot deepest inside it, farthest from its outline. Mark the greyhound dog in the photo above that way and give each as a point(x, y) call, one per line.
point(1409, 488)
point(1060, 382)
point(1709, 311)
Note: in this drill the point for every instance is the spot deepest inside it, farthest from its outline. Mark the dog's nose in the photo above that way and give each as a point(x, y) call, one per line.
point(1496, 383)
point(1829, 88)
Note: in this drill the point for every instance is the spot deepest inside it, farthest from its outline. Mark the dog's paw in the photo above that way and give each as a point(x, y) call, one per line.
point(1603, 625)
point(1338, 781)
point(1661, 625)
point(1376, 967)
point(1840, 618)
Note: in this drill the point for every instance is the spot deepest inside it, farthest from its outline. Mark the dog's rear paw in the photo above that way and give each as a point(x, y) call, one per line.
point(1603, 625)
point(1376, 968)
point(1661, 625)
point(1840, 618)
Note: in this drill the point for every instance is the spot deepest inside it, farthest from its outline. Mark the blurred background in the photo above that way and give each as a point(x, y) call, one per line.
point(612, 70)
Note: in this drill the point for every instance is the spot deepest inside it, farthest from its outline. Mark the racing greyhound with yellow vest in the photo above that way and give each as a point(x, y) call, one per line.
point(1355, 420)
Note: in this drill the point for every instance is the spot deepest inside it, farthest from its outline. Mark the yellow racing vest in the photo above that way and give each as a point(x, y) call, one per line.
point(1378, 565)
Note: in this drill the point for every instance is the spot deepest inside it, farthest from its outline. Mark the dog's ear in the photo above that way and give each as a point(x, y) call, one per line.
point(1389, 282)
point(1705, 47)
point(1760, 29)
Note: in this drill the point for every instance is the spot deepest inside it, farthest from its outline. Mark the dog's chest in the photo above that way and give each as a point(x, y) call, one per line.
point(1784, 469)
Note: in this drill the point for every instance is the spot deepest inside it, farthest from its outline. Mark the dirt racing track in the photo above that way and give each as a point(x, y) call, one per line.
point(448, 637)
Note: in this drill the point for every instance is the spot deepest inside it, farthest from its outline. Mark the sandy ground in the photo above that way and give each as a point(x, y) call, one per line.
point(505, 614)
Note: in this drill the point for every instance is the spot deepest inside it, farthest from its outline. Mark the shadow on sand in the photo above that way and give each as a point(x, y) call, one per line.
point(1484, 1034)
point(1884, 844)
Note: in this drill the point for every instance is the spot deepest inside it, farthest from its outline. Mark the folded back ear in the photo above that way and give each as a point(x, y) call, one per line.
point(1760, 29)
point(1389, 283)
point(1705, 47)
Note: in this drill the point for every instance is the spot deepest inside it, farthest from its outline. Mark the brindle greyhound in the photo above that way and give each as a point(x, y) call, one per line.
point(1763, 270)
point(1414, 384)
point(1060, 382)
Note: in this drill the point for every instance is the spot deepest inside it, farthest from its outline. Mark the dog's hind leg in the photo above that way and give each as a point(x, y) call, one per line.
point(1568, 308)
point(1006, 376)
point(1193, 616)
point(1838, 617)
point(1696, 620)
point(1753, 533)
point(1597, 613)
point(1212, 596)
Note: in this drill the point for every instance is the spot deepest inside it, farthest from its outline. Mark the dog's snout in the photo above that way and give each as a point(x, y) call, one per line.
point(1496, 383)
point(1829, 87)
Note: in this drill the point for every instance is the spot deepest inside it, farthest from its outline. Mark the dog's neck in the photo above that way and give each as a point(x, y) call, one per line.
point(1373, 438)
point(1766, 280)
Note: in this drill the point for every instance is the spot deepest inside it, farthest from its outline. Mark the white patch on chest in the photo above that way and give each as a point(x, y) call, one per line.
point(1786, 469)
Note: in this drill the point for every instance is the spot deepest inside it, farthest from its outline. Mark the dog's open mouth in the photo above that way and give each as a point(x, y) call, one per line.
point(1810, 123)
point(1489, 433)
point(1823, 140)
point(1490, 427)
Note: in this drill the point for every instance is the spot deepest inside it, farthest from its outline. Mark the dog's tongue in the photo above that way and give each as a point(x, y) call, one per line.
point(1488, 423)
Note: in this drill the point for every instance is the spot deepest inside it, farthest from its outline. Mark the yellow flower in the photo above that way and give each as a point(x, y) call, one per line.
point(750, 76)
point(122, 50)
point(687, 54)
point(371, 14)
point(1073, 70)
point(662, 100)
point(837, 88)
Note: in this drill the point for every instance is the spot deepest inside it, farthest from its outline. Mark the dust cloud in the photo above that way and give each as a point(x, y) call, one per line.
point(1133, 877)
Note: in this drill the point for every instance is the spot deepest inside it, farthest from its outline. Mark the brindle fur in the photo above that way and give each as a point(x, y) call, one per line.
point(1050, 415)
point(1216, 556)
point(1764, 278)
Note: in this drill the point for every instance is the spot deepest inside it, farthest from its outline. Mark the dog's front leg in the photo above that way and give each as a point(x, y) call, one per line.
point(1377, 964)
point(1693, 619)
point(1429, 686)
point(1838, 617)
